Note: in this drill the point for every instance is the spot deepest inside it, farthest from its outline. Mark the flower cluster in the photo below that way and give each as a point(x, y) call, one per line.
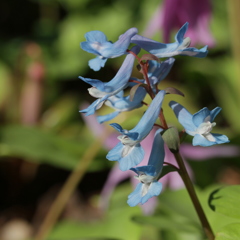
point(129, 152)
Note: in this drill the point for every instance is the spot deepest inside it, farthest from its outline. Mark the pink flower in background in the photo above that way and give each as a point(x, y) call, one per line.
point(172, 14)
point(171, 180)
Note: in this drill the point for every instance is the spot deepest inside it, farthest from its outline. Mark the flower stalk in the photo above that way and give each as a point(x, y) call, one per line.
point(189, 186)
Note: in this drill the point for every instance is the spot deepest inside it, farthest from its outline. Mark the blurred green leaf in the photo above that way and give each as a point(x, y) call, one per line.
point(164, 222)
point(230, 232)
point(116, 224)
point(226, 201)
point(38, 145)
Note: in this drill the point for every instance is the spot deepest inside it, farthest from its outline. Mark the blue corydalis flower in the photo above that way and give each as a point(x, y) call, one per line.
point(129, 152)
point(179, 47)
point(149, 175)
point(158, 71)
point(103, 91)
point(199, 125)
point(98, 44)
point(123, 104)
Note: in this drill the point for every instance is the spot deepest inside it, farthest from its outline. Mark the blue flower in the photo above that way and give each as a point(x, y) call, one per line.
point(158, 71)
point(103, 91)
point(123, 104)
point(199, 125)
point(129, 152)
point(179, 47)
point(149, 175)
point(98, 44)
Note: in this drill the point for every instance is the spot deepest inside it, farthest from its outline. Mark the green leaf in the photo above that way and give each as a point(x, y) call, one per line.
point(40, 146)
point(164, 222)
point(229, 232)
point(226, 201)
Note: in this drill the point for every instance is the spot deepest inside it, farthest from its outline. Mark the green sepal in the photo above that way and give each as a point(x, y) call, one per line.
point(171, 138)
point(167, 169)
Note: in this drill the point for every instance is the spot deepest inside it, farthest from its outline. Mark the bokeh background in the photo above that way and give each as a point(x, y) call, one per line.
point(43, 137)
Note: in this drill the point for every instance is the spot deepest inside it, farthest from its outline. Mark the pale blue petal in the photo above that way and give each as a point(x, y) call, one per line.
point(157, 155)
point(171, 49)
point(183, 116)
point(148, 170)
point(108, 117)
point(96, 36)
point(199, 117)
point(220, 138)
point(94, 106)
point(97, 63)
point(120, 81)
point(147, 121)
point(181, 32)
point(154, 190)
point(118, 127)
point(86, 46)
point(135, 197)
point(119, 47)
point(115, 154)
point(148, 44)
point(94, 82)
point(132, 135)
point(133, 158)
point(194, 52)
point(199, 140)
point(202, 141)
point(158, 71)
point(125, 39)
point(214, 113)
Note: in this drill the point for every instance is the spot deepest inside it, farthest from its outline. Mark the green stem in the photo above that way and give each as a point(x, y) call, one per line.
point(69, 187)
point(188, 183)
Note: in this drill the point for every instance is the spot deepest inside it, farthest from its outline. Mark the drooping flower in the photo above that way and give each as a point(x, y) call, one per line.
point(199, 125)
point(98, 44)
point(103, 91)
point(129, 152)
point(158, 71)
point(148, 175)
point(123, 104)
point(179, 47)
point(174, 13)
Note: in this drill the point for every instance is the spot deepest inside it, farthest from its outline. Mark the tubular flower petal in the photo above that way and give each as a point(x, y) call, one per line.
point(199, 125)
point(104, 90)
point(129, 152)
point(179, 47)
point(98, 44)
point(123, 104)
point(148, 175)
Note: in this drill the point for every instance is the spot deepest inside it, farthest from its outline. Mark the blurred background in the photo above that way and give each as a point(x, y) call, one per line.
point(43, 137)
